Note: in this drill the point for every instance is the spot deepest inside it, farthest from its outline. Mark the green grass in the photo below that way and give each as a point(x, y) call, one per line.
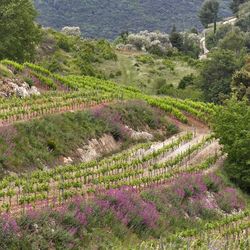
point(4, 71)
point(42, 142)
point(143, 71)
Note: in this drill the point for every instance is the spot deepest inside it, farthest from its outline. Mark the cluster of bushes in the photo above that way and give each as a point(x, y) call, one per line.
point(111, 218)
point(160, 43)
point(188, 43)
point(72, 54)
point(154, 42)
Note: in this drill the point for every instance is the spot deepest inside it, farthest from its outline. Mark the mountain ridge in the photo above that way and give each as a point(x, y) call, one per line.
point(96, 19)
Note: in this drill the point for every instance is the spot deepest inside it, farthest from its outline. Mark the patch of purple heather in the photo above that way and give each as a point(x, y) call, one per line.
point(81, 218)
point(188, 185)
point(9, 224)
point(128, 206)
point(229, 200)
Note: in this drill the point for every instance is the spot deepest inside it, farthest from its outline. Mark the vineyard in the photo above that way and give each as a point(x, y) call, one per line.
point(145, 165)
point(84, 92)
point(231, 232)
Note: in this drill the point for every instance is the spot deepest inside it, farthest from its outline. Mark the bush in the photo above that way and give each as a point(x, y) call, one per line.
point(169, 64)
point(160, 82)
point(186, 81)
point(213, 39)
point(64, 44)
point(189, 92)
point(147, 59)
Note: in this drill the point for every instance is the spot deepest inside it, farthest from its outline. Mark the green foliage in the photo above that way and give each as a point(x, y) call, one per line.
point(190, 47)
point(176, 39)
point(169, 64)
point(159, 83)
point(231, 126)
point(108, 18)
point(209, 13)
point(14, 65)
point(43, 141)
point(187, 93)
point(212, 38)
point(234, 41)
point(4, 71)
point(235, 5)
point(216, 74)
point(147, 59)
point(185, 43)
point(186, 81)
point(73, 55)
point(243, 14)
point(241, 82)
point(19, 34)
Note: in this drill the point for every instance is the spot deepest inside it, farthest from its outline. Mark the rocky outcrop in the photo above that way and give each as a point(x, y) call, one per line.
point(94, 149)
point(71, 31)
point(97, 148)
point(13, 86)
point(139, 135)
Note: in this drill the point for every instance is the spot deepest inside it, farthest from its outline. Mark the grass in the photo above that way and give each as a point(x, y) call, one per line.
point(4, 72)
point(143, 71)
point(43, 142)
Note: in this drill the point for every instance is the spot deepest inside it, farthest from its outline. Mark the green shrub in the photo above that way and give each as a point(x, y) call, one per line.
point(4, 71)
point(160, 82)
point(186, 81)
point(169, 64)
point(146, 59)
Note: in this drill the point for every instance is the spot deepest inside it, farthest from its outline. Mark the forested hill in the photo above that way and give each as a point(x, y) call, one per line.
point(108, 18)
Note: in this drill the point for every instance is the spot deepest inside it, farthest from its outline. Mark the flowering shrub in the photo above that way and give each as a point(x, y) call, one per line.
point(213, 182)
point(83, 223)
point(8, 225)
point(114, 120)
point(188, 185)
point(228, 200)
point(130, 208)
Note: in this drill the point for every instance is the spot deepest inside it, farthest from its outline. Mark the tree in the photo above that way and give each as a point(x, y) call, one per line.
point(235, 5)
point(231, 126)
point(176, 39)
point(241, 81)
point(18, 31)
point(234, 40)
point(216, 74)
point(212, 38)
point(209, 13)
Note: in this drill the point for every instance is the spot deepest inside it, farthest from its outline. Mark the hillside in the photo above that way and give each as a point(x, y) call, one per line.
point(89, 163)
point(97, 18)
point(141, 143)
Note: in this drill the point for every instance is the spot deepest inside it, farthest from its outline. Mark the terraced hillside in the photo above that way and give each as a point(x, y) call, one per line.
point(192, 153)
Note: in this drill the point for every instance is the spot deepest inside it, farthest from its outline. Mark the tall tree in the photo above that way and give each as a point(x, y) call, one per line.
point(216, 74)
point(231, 126)
point(176, 38)
point(209, 13)
point(241, 81)
point(18, 32)
point(234, 5)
